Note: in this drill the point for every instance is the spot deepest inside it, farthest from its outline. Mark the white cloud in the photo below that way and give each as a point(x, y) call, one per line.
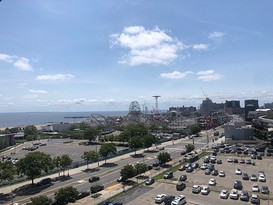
point(6, 58)
point(208, 75)
point(77, 101)
point(21, 63)
point(55, 77)
point(216, 35)
point(147, 46)
point(38, 91)
point(176, 75)
point(200, 47)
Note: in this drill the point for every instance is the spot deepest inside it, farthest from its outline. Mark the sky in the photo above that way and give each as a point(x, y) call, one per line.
point(82, 55)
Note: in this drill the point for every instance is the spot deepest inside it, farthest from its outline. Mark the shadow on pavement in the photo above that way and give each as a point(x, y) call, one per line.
point(109, 165)
point(137, 155)
point(91, 170)
point(30, 189)
point(5, 198)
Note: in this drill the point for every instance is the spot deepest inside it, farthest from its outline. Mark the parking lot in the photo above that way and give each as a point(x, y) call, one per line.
point(198, 177)
point(55, 147)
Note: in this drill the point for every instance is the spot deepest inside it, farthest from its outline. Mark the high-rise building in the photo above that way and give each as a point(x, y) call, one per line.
point(207, 107)
point(250, 105)
point(232, 107)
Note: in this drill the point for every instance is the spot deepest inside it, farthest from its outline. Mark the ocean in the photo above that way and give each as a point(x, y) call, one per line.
point(40, 118)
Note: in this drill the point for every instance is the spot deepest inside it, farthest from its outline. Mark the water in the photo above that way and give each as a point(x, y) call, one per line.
point(40, 118)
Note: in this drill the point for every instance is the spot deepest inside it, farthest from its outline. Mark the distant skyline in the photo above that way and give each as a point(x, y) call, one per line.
point(101, 55)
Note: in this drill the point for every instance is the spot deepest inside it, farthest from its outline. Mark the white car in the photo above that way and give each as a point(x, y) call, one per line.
point(255, 188)
point(179, 200)
point(230, 160)
point(253, 177)
point(204, 166)
point(205, 190)
point(224, 194)
point(212, 182)
point(234, 194)
point(160, 198)
point(262, 178)
point(238, 172)
point(222, 174)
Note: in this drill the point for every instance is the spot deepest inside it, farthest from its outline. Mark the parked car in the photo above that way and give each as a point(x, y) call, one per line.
point(219, 161)
point(238, 172)
point(245, 176)
point(183, 177)
point(180, 186)
point(207, 172)
point(179, 200)
point(255, 199)
point(214, 172)
point(233, 194)
point(195, 165)
point(244, 196)
point(224, 194)
point(160, 198)
point(93, 179)
point(212, 182)
point(205, 190)
point(189, 169)
point(253, 177)
point(96, 188)
point(264, 190)
point(261, 178)
point(168, 199)
point(248, 161)
point(203, 166)
point(196, 189)
point(182, 168)
point(168, 175)
point(222, 174)
point(238, 185)
point(82, 194)
point(255, 188)
point(149, 181)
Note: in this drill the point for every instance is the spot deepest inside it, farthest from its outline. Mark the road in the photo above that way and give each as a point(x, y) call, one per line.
point(109, 174)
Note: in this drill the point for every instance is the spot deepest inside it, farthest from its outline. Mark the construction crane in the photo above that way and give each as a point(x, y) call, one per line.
point(206, 115)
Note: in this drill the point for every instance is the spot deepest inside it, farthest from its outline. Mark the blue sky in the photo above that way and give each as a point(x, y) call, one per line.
point(84, 55)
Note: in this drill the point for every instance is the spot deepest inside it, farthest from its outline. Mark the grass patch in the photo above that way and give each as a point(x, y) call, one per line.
point(203, 154)
point(96, 195)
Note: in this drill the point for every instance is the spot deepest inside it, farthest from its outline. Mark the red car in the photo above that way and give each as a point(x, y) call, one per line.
point(242, 161)
point(182, 168)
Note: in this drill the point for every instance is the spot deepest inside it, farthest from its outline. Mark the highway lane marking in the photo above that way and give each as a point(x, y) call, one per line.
point(113, 187)
point(81, 181)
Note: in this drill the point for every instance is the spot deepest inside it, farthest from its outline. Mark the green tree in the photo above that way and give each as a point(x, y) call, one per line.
point(140, 168)
point(135, 143)
point(66, 195)
point(7, 170)
point(31, 132)
point(91, 134)
point(33, 164)
point(128, 171)
point(148, 140)
point(106, 149)
point(90, 156)
point(40, 200)
point(195, 129)
point(189, 147)
point(163, 157)
point(56, 162)
point(135, 130)
point(65, 162)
